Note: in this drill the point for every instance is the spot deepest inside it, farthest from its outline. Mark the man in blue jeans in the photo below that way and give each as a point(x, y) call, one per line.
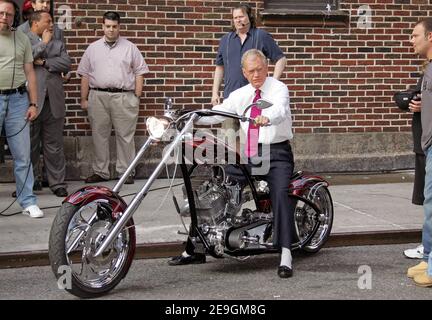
point(421, 39)
point(16, 67)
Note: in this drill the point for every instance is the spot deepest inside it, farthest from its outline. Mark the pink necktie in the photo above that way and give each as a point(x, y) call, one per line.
point(251, 148)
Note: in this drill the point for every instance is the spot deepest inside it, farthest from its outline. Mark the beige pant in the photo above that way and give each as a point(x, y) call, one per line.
point(232, 131)
point(232, 125)
point(107, 110)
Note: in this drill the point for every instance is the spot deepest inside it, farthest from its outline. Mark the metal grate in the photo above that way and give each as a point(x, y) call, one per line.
point(301, 4)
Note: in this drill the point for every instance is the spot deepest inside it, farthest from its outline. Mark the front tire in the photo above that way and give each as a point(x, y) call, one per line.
point(76, 233)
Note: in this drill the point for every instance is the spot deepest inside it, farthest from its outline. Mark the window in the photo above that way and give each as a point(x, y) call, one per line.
point(304, 13)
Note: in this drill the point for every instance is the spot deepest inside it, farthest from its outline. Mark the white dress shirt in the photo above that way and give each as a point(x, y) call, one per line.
point(279, 113)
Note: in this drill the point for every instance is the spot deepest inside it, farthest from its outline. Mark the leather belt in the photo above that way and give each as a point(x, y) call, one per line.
point(21, 89)
point(112, 90)
point(283, 143)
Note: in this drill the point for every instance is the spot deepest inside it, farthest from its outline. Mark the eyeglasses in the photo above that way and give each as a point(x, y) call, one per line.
point(6, 14)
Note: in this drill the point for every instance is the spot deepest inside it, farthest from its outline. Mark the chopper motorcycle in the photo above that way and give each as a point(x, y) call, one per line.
point(93, 234)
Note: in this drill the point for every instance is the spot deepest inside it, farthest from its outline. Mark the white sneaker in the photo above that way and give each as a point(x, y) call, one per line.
point(416, 253)
point(33, 211)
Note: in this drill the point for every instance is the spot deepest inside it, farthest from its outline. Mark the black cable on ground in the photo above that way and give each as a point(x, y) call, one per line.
point(56, 207)
point(18, 194)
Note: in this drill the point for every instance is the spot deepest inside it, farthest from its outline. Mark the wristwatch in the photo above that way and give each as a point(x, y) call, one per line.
point(33, 105)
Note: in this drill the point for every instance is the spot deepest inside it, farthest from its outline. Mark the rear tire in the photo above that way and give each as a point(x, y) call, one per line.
point(323, 200)
point(306, 218)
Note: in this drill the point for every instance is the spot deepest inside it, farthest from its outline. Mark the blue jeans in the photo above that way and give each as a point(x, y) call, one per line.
point(19, 144)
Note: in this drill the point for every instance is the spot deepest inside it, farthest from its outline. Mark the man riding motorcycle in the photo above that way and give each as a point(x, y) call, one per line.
point(267, 139)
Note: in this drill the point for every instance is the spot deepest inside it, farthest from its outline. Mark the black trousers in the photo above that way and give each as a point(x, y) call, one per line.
point(419, 179)
point(280, 170)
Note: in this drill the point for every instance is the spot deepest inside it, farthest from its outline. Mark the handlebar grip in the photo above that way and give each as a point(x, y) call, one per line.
point(253, 120)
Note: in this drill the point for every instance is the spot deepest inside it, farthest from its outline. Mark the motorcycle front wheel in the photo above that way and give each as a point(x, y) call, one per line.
point(76, 233)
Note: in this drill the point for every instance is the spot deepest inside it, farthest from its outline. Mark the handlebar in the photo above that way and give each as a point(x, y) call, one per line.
point(222, 113)
point(183, 114)
point(242, 118)
point(209, 112)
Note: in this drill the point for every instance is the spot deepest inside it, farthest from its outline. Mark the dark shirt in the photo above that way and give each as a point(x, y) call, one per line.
point(416, 124)
point(231, 50)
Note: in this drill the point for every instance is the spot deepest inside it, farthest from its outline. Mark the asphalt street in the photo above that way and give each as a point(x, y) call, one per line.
point(353, 273)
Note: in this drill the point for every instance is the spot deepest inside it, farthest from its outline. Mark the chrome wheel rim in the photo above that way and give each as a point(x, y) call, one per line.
point(304, 214)
point(306, 217)
point(323, 201)
point(84, 234)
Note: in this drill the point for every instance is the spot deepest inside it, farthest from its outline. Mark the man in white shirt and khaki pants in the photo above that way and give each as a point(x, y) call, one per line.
point(112, 70)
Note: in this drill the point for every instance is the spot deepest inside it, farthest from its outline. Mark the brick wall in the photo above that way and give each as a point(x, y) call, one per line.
point(341, 79)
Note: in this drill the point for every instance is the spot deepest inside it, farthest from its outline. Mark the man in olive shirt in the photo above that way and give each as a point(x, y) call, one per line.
point(16, 66)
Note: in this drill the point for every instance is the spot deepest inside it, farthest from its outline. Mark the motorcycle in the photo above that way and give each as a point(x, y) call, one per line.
point(93, 233)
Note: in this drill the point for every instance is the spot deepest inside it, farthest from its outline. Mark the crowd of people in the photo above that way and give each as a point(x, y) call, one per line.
point(34, 68)
point(34, 65)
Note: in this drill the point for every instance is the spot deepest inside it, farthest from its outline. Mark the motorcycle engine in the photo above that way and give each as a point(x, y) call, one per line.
point(215, 199)
point(218, 202)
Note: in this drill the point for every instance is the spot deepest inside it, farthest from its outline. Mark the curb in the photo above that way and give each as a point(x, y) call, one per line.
point(167, 249)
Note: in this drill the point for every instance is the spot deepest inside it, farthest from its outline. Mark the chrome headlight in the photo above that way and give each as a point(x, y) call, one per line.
point(156, 127)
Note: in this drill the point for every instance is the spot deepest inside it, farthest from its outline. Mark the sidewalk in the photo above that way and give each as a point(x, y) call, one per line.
point(362, 203)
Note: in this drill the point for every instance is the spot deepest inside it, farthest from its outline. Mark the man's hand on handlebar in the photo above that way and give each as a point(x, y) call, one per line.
point(215, 100)
point(261, 121)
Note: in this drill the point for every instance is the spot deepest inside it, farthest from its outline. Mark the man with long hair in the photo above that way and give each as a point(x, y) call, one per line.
point(244, 36)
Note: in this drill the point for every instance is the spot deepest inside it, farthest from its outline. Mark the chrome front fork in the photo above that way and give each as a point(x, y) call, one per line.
point(136, 201)
point(132, 166)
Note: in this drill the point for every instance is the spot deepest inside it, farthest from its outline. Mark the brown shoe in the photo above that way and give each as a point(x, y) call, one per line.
point(423, 280)
point(95, 178)
point(417, 269)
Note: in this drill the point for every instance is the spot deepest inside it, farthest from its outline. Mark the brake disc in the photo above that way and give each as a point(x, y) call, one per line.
point(94, 238)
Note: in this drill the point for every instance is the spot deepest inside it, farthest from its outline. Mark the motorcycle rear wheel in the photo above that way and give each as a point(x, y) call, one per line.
point(306, 219)
point(76, 233)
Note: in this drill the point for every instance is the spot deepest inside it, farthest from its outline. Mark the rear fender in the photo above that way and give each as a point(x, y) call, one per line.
point(304, 182)
point(93, 193)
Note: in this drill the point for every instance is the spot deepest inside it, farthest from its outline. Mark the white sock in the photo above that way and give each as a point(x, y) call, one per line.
point(286, 258)
point(185, 254)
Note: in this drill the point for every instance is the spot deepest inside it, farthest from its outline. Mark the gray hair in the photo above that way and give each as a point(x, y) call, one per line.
point(254, 53)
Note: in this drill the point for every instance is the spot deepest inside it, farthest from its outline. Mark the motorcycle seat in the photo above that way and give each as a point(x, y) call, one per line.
point(296, 175)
